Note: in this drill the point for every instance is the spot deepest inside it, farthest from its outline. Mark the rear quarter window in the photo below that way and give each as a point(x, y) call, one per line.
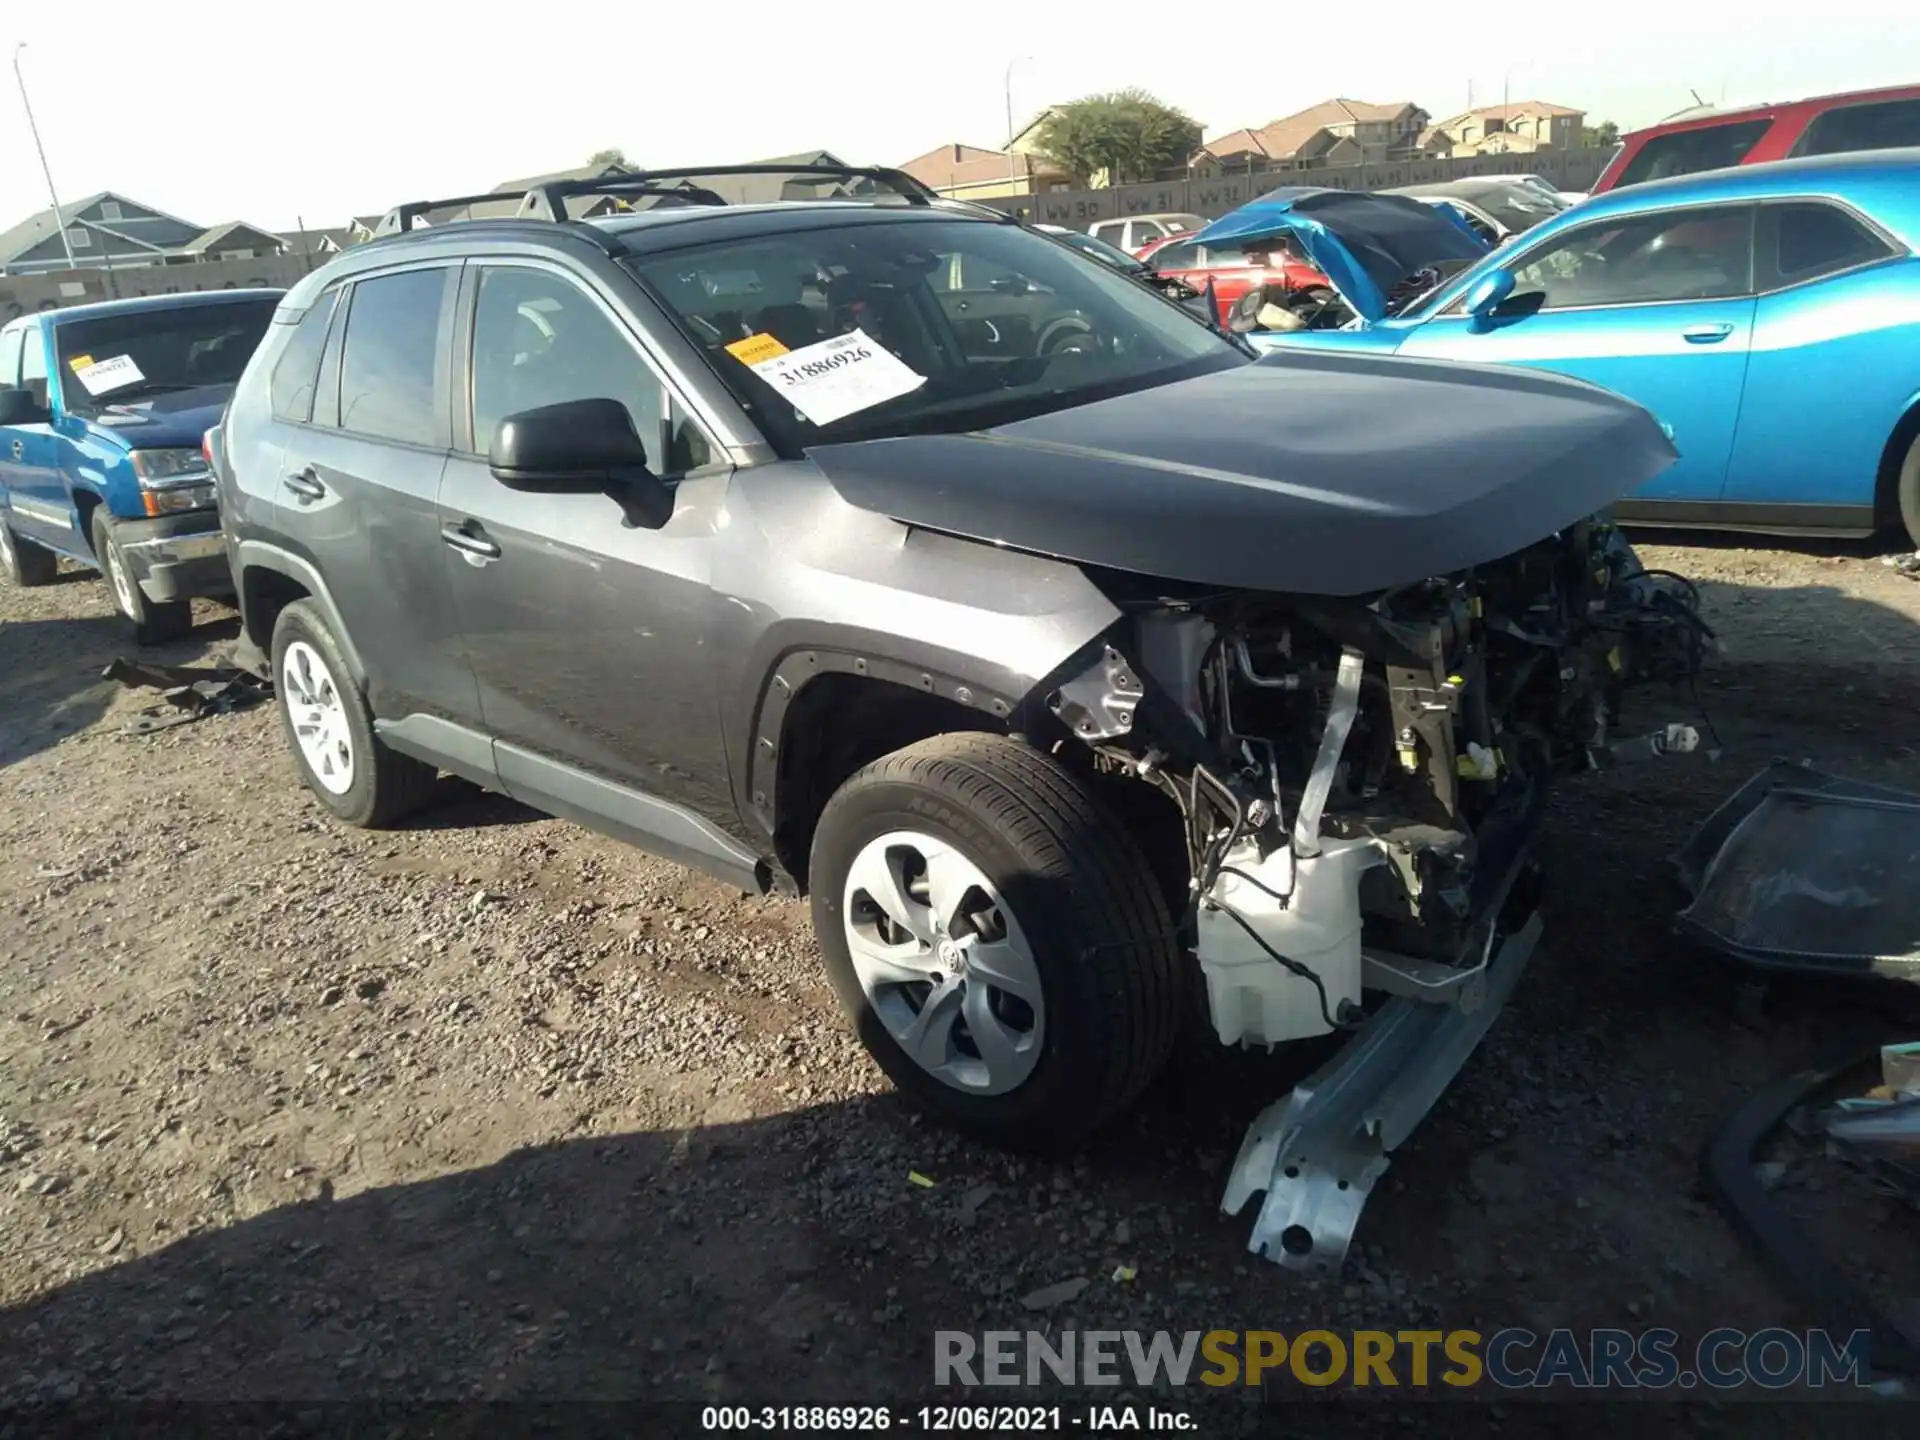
point(1884, 125)
point(295, 373)
point(1687, 152)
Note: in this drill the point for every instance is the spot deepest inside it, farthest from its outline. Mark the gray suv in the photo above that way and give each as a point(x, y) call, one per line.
point(1097, 680)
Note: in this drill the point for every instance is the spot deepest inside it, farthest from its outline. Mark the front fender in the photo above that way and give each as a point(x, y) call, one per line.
point(810, 585)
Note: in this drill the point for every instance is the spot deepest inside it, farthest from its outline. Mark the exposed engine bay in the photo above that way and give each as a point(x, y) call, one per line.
point(1366, 773)
point(1360, 780)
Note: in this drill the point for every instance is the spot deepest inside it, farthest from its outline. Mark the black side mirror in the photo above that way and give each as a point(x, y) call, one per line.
point(581, 447)
point(18, 407)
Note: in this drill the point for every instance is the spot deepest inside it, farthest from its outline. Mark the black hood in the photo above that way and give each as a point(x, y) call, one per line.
point(1315, 473)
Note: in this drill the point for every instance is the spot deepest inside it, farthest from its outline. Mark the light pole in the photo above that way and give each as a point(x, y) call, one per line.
point(1506, 89)
point(34, 129)
point(1013, 180)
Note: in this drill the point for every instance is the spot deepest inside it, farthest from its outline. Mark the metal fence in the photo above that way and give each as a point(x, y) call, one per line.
point(1566, 169)
point(55, 289)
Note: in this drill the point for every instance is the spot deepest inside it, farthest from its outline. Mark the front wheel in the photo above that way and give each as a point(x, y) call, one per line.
point(154, 622)
point(1000, 941)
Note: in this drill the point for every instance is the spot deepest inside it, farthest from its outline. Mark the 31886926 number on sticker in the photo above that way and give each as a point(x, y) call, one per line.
point(838, 377)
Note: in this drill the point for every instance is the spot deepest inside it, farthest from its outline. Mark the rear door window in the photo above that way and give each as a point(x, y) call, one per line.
point(294, 374)
point(1884, 125)
point(1805, 240)
point(1176, 257)
point(393, 364)
point(10, 356)
point(1687, 152)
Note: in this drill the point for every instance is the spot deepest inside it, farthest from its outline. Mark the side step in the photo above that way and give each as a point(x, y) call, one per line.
point(1317, 1152)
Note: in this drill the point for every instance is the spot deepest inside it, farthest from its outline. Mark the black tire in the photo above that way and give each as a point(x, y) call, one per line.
point(386, 786)
point(25, 563)
point(154, 622)
point(1086, 898)
point(1909, 493)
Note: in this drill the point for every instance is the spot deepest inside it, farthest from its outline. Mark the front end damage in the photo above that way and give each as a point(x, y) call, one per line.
point(1359, 781)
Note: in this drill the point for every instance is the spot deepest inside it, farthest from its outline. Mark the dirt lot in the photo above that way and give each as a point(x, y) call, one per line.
point(491, 1107)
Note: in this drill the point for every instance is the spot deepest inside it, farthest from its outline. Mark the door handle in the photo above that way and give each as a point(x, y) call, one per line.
point(1706, 334)
point(19, 448)
point(470, 540)
point(306, 485)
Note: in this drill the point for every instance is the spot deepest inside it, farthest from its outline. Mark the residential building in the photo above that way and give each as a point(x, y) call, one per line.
point(235, 240)
point(322, 244)
point(105, 230)
point(1516, 129)
point(1334, 132)
point(968, 172)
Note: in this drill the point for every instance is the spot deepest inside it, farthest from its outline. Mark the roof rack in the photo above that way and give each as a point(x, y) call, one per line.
point(548, 200)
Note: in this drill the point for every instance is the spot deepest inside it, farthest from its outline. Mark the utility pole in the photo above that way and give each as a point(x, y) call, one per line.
point(33, 128)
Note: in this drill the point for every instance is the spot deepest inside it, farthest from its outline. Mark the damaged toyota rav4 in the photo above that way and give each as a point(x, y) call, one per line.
point(1100, 683)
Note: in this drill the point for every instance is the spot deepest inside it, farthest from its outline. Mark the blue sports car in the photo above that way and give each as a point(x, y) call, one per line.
point(1768, 315)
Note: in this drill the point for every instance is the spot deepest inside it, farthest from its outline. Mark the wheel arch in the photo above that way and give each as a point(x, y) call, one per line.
point(1886, 490)
point(827, 712)
point(269, 579)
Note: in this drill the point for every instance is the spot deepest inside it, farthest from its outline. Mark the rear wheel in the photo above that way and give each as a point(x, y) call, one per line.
point(999, 940)
point(330, 729)
point(1909, 493)
point(25, 563)
point(154, 622)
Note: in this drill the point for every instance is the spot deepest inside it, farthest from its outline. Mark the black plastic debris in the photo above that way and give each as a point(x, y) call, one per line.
point(1738, 1190)
point(1802, 870)
point(193, 691)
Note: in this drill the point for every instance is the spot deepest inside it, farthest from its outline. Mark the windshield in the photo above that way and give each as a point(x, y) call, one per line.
point(118, 358)
point(876, 329)
point(1098, 248)
point(1519, 207)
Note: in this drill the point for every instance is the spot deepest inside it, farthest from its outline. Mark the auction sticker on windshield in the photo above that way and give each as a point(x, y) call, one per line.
point(838, 377)
point(111, 374)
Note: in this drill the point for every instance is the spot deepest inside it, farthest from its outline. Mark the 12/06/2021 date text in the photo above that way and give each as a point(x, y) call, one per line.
point(946, 1419)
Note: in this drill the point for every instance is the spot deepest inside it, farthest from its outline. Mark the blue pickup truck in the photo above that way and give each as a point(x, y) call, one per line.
point(102, 413)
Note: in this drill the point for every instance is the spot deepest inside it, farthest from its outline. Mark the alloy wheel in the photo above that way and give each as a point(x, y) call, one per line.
point(318, 717)
point(122, 584)
point(944, 963)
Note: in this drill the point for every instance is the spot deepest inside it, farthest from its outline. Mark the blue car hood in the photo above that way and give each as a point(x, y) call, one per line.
point(156, 422)
point(1364, 244)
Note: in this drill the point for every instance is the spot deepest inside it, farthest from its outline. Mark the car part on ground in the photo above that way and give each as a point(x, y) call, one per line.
point(1084, 685)
point(1882, 1138)
point(1801, 870)
point(1728, 1162)
point(194, 691)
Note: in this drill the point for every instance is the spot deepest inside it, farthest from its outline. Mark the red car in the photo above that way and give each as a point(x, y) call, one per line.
point(1235, 269)
point(1828, 125)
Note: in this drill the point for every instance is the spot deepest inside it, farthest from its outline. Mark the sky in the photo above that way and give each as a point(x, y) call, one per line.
point(273, 113)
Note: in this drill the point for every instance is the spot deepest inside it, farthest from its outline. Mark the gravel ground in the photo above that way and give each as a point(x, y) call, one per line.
point(493, 1107)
